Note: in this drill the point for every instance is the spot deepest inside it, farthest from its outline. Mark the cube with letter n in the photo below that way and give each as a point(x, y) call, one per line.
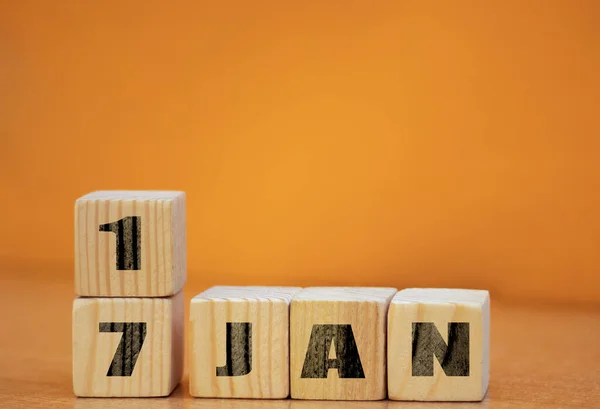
point(438, 345)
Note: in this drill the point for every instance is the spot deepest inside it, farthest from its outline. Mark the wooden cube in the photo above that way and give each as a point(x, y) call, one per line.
point(439, 345)
point(130, 244)
point(239, 345)
point(337, 343)
point(127, 346)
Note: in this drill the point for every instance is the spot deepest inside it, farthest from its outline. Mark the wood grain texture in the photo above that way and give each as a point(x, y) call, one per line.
point(159, 365)
point(162, 268)
point(365, 310)
point(542, 356)
point(440, 307)
point(266, 309)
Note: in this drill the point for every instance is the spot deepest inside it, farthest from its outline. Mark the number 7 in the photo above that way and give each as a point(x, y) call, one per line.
point(129, 347)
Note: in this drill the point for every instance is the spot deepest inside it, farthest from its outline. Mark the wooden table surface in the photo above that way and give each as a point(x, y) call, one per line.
point(542, 356)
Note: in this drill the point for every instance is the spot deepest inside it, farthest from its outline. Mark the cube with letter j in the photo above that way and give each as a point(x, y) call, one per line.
point(239, 342)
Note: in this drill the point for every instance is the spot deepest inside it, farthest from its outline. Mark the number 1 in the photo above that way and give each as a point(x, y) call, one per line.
point(129, 241)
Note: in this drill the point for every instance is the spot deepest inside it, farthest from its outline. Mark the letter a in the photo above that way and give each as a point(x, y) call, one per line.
point(347, 361)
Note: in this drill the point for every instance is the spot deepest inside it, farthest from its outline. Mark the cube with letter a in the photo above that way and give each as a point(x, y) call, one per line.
point(130, 243)
point(439, 345)
point(337, 343)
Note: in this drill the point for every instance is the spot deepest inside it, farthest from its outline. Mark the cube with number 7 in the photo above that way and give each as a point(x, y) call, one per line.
point(127, 347)
point(130, 243)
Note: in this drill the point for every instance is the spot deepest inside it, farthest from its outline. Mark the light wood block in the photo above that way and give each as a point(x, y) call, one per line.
point(439, 345)
point(239, 346)
point(337, 343)
point(127, 346)
point(130, 243)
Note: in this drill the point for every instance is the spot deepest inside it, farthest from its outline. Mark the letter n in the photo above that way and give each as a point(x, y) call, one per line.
point(427, 341)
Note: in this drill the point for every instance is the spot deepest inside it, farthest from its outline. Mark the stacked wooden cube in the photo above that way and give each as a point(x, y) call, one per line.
point(130, 269)
point(325, 343)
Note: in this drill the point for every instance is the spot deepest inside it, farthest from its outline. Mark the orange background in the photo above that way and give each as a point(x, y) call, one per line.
point(319, 142)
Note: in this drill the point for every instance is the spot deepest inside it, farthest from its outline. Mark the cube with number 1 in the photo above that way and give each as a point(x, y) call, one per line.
point(130, 243)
